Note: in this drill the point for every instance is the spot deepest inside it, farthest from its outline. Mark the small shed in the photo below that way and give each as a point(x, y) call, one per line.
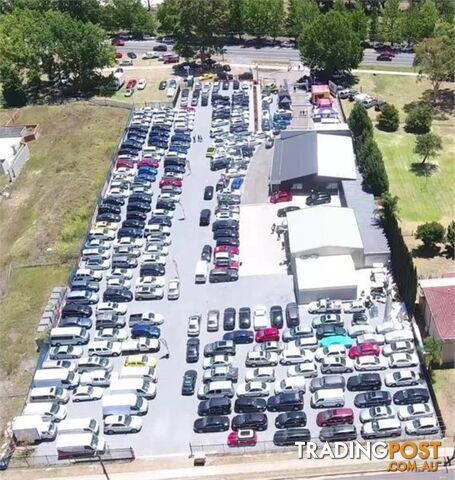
point(319, 92)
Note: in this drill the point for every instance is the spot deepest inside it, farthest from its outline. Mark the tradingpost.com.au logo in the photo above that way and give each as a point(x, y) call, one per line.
point(404, 456)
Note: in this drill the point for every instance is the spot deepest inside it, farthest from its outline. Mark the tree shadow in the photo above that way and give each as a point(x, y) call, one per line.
point(423, 251)
point(424, 169)
point(444, 104)
point(415, 103)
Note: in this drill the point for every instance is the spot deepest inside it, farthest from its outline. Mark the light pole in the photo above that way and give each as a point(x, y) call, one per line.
point(174, 261)
point(104, 468)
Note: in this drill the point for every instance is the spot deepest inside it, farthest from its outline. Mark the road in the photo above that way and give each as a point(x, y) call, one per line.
point(246, 55)
point(442, 474)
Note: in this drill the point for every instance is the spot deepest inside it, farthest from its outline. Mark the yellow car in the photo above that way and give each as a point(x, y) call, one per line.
point(140, 361)
point(108, 225)
point(210, 152)
point(206, 76)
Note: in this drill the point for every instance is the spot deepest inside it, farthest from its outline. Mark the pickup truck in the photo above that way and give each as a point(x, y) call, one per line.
point(140, 345)
point(149, 318)
point(325, 306)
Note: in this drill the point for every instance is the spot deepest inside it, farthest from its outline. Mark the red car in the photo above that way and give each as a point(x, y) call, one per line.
point(227, 264)
point(242, 438)
point(118, 42)
point(190, 109)
point(336, 416)
point(388, 53)
point(149, 163)
point(175, 182)
point(125, 164)
point(118, 55)
point(281, 197)
point(131, 84)
point(226, 248)
point(270, 334)
point(364, 349)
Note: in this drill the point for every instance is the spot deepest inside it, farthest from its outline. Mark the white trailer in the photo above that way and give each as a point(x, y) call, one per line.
point(29, 429)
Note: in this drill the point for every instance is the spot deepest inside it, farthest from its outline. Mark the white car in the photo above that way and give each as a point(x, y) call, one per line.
point(157, 249)
point(140, 345)
point(118, 282)
point(259, 317)
point(269, 347)
point(118, 192)
point(399, 335)
point(397, 360)
point(398, 347)
point(194, 325)
point(358, 330)
point(376, 413)
point(217, 360)
point(86, 393)
point(152, 318)
point(253, 389)
point(341, 364)
point(227, 216)
point(307, 370)
point(112, 334)
point(119, 308)
point(173, 289)
point(96, 378)
point(354, 307)
point(128, 92)
point(160, 212)
point(66, 364)
point(261, 374)
point(154, 258)
point(292, 356)
point(150, 281)
point(259, 359)
point(125, 273)
point(129, 242)
point(122, 424)
point(416, 410)
point(422, 426)
point(387, 327)
point(402, 378)
point(330, 351)
point(370, 338)
point(97, 264)
point(370, 363)
point(291, 384)
point(151, 292)
point(65, 352)
point(213, 320)
point(141, 84)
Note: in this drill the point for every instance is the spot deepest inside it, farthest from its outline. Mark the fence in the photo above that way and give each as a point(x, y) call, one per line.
point(26, 459)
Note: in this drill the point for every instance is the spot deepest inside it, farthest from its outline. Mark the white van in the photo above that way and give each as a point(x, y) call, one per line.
point(68, 336)
point(156, 230)
point(80, 444)
point(101, 233)
point(49, 394)
point(139, 386)
point(105, 348)
point(124, 404)
point(55, 377)
point(85, 297)
point(87, 274)
point(216, 389)
point(147, 373)
point(291, 384)
point(202, 270)
point(79, 425)
point(47, 410)
point(328, 398)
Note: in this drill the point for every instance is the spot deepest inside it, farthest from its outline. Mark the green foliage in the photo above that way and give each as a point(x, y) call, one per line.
point(433, 351)
point(390, 25)
point(330, 43)
point(359, 22)
point(257, 17)
point(300, 13)
point(168, 16)
point(374, 28)
point(236, 23)
point(450, 236)
point(388, 119)
point(430, 233)
point(276, 18)
point(128, 15)
point(389, 204)
point(374, 172)
point(427, 145)
point(419, 119)
point(446, 9)
point(427, 19)
point(359, 121)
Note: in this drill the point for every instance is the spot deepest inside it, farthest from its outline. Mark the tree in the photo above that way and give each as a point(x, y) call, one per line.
point(236, 23)
point(300, 13)
point(168, 16)
point(128, 15)
point(257, 17)
point(330, 43)
point(450, 236)
point(276, 17)
point(410, 23)
point(427, 145)
point(446, 9)
point(374, 27)
point(428, 16)
point(390, 25)
point(359, 121)
point(359, 22)
point(430, 233)
point(436, 58)
point(374, 172)
point(389, 204)
point(419, 119)
point(388, 119)
point(433, 351)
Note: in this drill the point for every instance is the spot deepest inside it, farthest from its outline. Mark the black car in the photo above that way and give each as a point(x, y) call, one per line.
point(152, 270)
point(225, 233)
point(219, 347)
point(161, 47)
point(373, 399)
point(285, 402)
point(76, 310)
point(108, 217)
point(117, 294)
point(109, 208)
point(160, 220)
point(206, 253)
point(254, 421)
point(130, 232)
point(165, 205)
point(174, 169)
point(215, 406)
point(318, 198)
point(290, 419)
point(204, 218)
point(324, 331)
point(289, 436)
point(235, 84)
point(189, 382)
point(411, 395)
point(136, 215)
point(75, 322)
point(229, 224)
point(245, 317)
point(240, 337)
point(229, 319)
point(131, 55)
point(292, 315)
point(276, 316)
point(384, 58)
point(231, 241)
point(211, 424)
point(113, 201)
point(192, 350)
point(359, 319)
point(133, 223)
point(208, 193)
point(162, 85)
point(138, 207)
point(364, 382)
point(250, 405)
point(338, 433)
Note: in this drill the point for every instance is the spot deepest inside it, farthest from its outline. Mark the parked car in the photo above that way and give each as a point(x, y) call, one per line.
point(189, 382)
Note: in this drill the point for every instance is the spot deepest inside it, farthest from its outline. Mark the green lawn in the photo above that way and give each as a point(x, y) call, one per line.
point(444, 386)
point(388, 68)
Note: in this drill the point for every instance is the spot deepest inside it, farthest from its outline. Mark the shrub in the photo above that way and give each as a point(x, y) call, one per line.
point(388, 119)
point(419, 119)
point(430, 233)
point(359, 121)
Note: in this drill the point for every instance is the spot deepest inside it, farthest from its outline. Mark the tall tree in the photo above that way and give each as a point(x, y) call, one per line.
point(330, 43)
point(128, 15)
point(410, 23)
point(390, 208)
point(391, 19)
point(236, 22)
point(168, 16)
point(433, 352)
point(428, 16)
point(427, 146)
point(450, 236)
point(359, 22)
point(276, 18)
point(257, 17)
point(436, 58)
point(446, 9)
point(300, 13)
point(359, 122)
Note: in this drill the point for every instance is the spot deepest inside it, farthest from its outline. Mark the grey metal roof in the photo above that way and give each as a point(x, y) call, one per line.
point(373, 237)
point(11, 132)
point(294, 156)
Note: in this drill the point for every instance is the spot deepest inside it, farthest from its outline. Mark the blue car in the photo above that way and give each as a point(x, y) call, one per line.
point(240, 336)
point(236, 183)
point(178, 148)
point(172, 84)
point(337, 340)
point(144, 177)
point(148, 331)
point(147, 170)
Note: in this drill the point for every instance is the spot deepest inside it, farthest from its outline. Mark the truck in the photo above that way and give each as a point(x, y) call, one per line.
point(137, 345)
point(49, 410)
point(80, 444)
point(325, 305)
point(147, 373)
point(142, 387)
point(33, 429)
point(55, 377)
point(124, 404)
point(149, 318)
point(79, 425)
point(119, 79)
point(202, 268)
